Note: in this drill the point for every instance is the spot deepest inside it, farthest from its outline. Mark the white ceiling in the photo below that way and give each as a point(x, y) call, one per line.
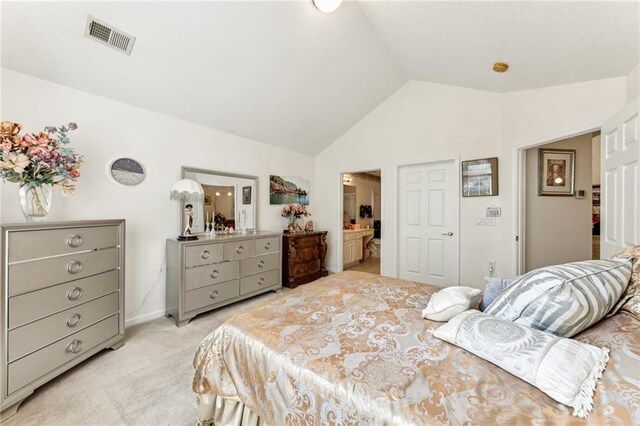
point(285, 74)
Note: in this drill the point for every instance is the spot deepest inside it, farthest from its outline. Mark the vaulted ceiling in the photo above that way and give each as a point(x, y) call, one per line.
point(288, 75)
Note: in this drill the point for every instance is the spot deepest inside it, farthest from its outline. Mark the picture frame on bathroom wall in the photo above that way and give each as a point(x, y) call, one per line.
point(556, 172)
point(480, 177)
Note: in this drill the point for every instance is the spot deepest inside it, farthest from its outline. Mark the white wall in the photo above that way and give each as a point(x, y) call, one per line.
point(109, 129)
point(558, 229)
point(421, 121)
point(633, 83)
point(425, 121)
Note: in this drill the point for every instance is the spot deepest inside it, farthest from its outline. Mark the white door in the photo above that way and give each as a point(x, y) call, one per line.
point(620, 153)
point(428, 205)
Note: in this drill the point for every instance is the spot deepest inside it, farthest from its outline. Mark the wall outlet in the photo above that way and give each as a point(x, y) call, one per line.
point(486, 221)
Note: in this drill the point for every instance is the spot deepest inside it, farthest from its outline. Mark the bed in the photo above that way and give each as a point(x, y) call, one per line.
point(353, 348)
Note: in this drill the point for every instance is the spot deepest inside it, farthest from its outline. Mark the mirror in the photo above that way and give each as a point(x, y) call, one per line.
point(229, 199)
point(349, 204)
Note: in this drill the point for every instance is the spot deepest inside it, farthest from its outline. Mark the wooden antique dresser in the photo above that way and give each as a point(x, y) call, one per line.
point(303, 257)
point(62, 300)
point(211, 272)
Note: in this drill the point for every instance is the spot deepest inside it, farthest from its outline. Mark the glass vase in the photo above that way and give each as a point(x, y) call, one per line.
point(292, 224)
point(35, 202)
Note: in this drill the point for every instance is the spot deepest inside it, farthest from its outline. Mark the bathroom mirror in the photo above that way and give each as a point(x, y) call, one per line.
point(349, 203)
point(229, 199)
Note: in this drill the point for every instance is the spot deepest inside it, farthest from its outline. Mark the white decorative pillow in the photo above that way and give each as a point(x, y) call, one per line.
point(493, 287)
point(564, 299)
point(565, 369)
point(450, 301)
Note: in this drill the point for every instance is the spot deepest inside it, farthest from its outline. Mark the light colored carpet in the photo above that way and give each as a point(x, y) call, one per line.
point(146, 382)
point(370, 265)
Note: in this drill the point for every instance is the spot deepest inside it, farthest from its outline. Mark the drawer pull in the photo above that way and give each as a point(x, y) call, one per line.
point(267, 246)
point(261, 281)
point(75, 346)
point(74, 293)
point(240, 249)
point(215, 274)
point(214, 294)
point(74, 240)
point(261, 264)
point(206, 254)
point(74, 267)
point(73, 320)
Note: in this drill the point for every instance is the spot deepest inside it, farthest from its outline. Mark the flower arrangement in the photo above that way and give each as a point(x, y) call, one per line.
point(295, 211)
point(33, 160)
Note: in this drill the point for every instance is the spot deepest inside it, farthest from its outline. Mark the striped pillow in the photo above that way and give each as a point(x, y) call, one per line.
point(564, 299)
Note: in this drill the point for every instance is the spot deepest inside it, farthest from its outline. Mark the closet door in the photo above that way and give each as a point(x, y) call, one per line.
point(428, 211)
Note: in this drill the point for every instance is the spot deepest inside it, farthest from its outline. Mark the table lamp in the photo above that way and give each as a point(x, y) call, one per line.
point(187, 191)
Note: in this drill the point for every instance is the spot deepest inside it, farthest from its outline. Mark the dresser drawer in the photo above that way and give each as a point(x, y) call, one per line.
point(38, 334)
point(267, 245)
point(30, 276)
point(257, 264)
point(201, 297)
point(306, 268)
point(238, 250)
point(350, 236)
point(38, 304)
point(259, 281)
point(202, 254)
point(30, 368)
point(50, 242)
point(211, 274)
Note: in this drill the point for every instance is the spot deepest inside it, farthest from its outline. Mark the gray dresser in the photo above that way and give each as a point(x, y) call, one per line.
point(62, 300)
point(213, 272)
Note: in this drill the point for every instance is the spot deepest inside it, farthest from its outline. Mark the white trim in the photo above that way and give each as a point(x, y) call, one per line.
point(144, 318)
point(519, 187)
point(339, 225)
point(456, 163)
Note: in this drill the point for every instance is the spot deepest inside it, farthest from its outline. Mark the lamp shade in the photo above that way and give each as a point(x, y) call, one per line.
point(187, 190)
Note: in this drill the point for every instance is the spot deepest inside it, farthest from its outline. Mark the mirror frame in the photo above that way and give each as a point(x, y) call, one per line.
point(186, 169)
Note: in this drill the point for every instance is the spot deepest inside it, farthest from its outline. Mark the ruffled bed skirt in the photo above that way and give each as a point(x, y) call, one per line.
point(219, 411)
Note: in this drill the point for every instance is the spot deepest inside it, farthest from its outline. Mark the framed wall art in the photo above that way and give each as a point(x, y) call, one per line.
point(246, 195)
point(480, 177)
point(288, 189)
point(556, 172)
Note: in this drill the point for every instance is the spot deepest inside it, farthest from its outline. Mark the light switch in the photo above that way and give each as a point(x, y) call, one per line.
point(486, 221)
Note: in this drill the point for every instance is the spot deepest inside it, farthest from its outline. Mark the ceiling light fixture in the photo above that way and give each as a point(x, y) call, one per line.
point(327, 6)
point(500, 67)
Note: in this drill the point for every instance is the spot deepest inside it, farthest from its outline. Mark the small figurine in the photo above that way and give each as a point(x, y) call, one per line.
point(308, 227)
point(188, 219)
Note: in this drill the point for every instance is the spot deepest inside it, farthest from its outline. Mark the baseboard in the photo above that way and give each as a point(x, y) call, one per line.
point(332, 270)
point(144, 318)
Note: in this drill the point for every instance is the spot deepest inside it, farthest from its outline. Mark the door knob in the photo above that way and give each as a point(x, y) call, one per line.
point(448, 234)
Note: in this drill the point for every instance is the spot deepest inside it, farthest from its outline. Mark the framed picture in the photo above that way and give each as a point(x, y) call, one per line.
point(480, 177)
point(556, 172)
point(246, 195)
point(207, 200)
point(596, 195)
point(288, 189)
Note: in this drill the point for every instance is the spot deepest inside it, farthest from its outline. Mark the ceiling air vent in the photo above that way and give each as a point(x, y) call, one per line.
point(109, 35)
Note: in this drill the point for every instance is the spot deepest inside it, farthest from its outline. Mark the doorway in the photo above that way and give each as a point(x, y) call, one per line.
point(428, 222)
point(559, 201)
point(362, 221)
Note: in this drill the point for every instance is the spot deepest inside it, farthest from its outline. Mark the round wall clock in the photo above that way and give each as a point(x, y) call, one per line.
point(127, 171)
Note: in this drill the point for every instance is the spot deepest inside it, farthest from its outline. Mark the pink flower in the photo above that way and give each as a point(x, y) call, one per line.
point(5, 146)
point(15, 162)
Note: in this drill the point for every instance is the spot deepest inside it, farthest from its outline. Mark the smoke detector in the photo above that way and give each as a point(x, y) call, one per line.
point(109, 35)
